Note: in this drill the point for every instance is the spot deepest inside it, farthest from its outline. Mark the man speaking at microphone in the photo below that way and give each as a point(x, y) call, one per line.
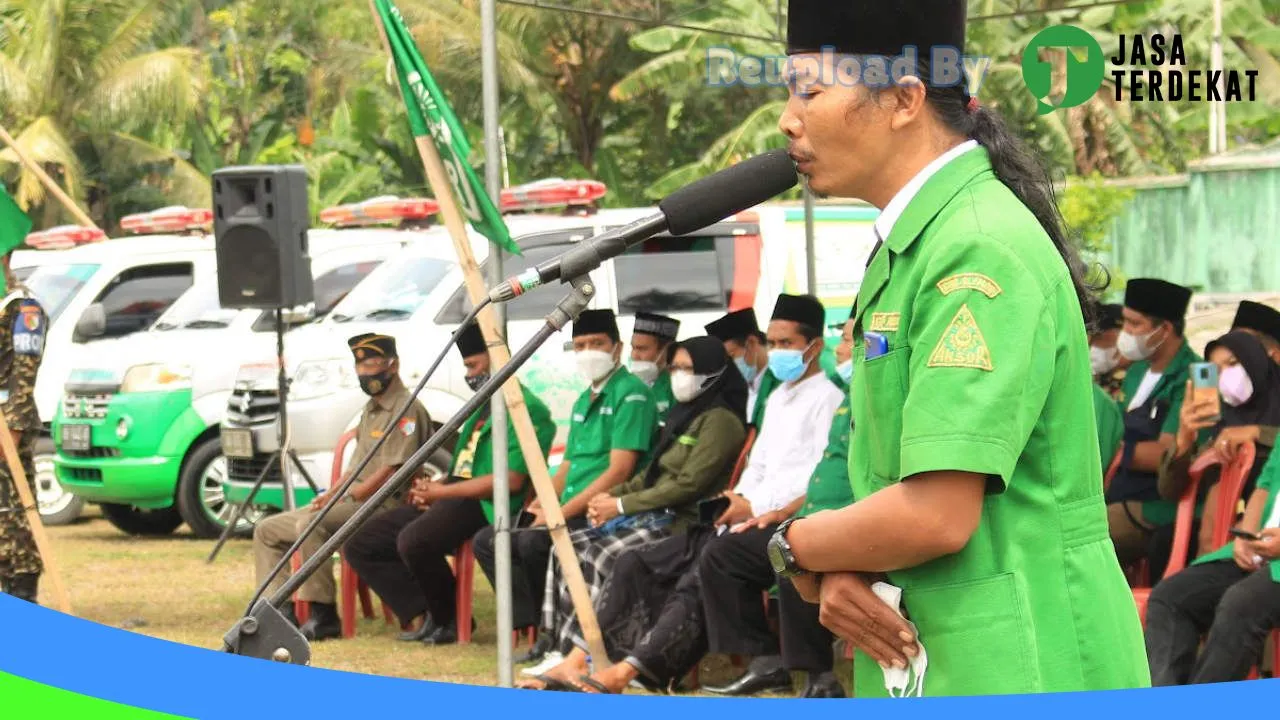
point(978, 511)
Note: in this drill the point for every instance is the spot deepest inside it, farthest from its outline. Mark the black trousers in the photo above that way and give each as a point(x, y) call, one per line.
point(1236, 608)
point(530, 553)
point(650, 609)
point(735, 572)
point(402, 555)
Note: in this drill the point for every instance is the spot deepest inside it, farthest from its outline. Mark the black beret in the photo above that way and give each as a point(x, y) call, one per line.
point(875, 28)
point(471, 341)
point(372, 345)
point(735, 326)
point(804, 309)
point(593, 322)
point(1258, 317)
point(659, 326)
point(1157, 298)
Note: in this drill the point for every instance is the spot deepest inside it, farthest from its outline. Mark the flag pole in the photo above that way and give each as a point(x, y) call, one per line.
point(47, 181)
point(518, 413)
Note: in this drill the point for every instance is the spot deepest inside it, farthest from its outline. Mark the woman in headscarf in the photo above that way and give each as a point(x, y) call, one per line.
point(1249, 411)
point(693, 460)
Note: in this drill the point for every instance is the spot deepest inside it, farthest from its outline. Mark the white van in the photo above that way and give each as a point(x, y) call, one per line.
point(101, 291)
point(419, 299)
point(137, 431)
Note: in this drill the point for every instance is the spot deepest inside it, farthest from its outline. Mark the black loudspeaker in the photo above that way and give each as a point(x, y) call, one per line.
point(260, 221)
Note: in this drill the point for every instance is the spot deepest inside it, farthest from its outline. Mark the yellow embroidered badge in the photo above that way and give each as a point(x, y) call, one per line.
point(962, 344)
point(885, 322)
point(970, 281)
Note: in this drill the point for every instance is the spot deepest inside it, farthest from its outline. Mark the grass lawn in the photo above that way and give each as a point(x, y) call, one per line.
point(162, 587)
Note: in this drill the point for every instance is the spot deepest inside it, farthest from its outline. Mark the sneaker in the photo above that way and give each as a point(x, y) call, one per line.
point(549, 661)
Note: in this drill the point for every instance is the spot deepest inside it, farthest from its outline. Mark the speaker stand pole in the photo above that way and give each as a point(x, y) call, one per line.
point(282, 455)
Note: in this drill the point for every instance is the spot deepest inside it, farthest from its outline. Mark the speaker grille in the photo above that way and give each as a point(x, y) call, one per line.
point(255, 280)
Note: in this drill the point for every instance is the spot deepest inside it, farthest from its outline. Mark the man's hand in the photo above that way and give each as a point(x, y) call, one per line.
point(851, 611)
point(422, 495)
point(773, 517)
point(739, 510)
point(1231, 439)
point(601, 509)
point(539, 517)
point(1269, 546)
point(1242, 552)
point(809, 586)
point(319, 501)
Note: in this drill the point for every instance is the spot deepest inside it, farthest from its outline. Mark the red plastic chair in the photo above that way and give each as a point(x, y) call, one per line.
point(1230, 486)
point(1112, 468)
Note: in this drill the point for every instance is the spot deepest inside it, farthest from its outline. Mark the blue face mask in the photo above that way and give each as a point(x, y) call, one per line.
point(845, 370)
point(748, 372)
point(787, 365)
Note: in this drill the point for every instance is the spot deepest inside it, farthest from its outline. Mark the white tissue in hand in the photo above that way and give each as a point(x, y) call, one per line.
point(909, 680)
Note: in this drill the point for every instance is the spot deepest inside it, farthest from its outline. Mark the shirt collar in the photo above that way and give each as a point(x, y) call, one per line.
point(386, 400)
point(891, 212)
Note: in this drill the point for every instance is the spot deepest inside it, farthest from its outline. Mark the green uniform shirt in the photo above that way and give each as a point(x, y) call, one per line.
point(473, 455)
point(663, 397)
point(768, 384)
point(987, 371)
point(1268, 481)
point(829, 487)
point(1110, 426)
point(622, 417)
point(1171, 388)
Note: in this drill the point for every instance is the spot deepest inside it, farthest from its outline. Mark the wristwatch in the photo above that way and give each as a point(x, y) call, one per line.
point(780, 555)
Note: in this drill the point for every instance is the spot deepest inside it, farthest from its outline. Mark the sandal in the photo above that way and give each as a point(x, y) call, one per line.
point(594, 684)
point(550, 684)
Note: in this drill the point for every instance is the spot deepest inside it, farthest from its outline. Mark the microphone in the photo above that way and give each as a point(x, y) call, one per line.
point(691, 208)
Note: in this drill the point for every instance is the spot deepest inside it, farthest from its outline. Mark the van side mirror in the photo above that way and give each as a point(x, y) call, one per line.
point(92, 324)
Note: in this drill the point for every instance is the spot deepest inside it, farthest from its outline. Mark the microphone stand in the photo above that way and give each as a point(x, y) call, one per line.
point(265, 633)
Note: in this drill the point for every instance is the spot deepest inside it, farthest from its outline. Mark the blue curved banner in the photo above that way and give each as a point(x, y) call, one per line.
point(96, 661)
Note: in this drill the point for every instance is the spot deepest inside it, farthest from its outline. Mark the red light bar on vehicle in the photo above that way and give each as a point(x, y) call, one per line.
point(379, 210)
point(553, 192)
point(167, 220)
point(65, 236)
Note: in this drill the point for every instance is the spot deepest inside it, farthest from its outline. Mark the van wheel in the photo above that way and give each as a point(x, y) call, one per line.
point(137, 521)
point(201, 499)
point(57, 506)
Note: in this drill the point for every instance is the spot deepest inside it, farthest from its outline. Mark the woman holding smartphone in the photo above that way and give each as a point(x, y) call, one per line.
point(1231, 595)
point(1245, 406)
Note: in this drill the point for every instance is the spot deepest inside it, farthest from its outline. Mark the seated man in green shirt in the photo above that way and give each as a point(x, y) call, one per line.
point(612, 428)
point(1154, 323)
point(402, 554)
point(651, 340)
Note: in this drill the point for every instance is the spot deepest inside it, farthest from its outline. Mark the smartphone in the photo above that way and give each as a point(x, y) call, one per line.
point(710, 510)
point(1245, 534)
point(1204, 387)
point(525, 519)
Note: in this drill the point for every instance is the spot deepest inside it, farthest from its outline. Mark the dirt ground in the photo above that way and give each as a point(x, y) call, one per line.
point(163, 588)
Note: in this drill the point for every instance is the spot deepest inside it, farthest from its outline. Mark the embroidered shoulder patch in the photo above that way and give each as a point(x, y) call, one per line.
point(407, 426)
point(687, 440)
point(29, 329)
point(885, 322)
point(962, 344)
point(970, 281)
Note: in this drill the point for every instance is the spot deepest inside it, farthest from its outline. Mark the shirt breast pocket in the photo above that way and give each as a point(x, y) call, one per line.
point(591, 437)
point(884, 394)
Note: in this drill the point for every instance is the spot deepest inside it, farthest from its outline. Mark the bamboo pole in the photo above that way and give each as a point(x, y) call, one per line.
point(518, 413)
point(47, 181)
point(19, 476)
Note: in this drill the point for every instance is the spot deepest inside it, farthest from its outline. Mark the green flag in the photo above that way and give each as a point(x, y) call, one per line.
point(14, 226)
point(430, 114)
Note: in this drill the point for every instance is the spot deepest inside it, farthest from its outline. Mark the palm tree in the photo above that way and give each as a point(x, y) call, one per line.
point(89, 85)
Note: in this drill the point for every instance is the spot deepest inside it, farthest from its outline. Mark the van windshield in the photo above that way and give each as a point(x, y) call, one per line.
point(394, 291)
point(197, 309)
point(56, 285)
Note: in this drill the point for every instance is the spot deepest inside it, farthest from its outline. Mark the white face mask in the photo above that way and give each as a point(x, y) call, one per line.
point(594, 365)
point(1103, 360)
point(646, 370)
point(686, 386)
point(1137, 347)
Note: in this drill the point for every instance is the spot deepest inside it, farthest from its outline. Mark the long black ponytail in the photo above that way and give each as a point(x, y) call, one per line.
point(1021, 171)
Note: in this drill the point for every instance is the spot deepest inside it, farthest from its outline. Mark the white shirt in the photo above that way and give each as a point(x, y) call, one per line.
point(891, 212)
point(793, 436)
point(1143, 392)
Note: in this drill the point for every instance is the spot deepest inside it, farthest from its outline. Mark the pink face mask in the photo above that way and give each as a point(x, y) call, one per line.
point(1235, 386)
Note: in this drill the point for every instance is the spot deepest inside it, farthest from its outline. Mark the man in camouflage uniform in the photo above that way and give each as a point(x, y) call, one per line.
point(22, 332)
